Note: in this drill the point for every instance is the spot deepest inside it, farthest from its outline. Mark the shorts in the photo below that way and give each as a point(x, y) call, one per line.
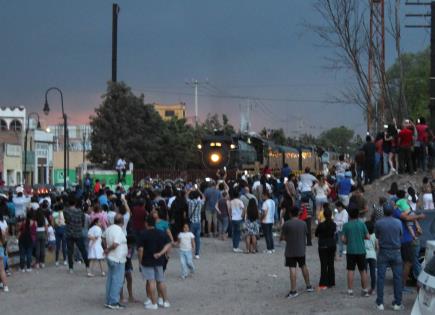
point(321, 200)
point(153, 273)
point(128, 266)
point(292, 261)
point(353, 260)
point(407, 252)
point(211, 216)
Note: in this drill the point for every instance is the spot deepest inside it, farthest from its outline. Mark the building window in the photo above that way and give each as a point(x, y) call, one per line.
point(169, 113)
point(3, 125)
point(16, 125)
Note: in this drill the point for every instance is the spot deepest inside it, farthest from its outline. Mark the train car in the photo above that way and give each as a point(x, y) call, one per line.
point(251, 152)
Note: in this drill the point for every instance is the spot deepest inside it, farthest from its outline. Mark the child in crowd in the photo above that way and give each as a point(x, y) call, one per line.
point(186, 241)
point(51, 238)
point(341, 217)
point(371, 248)
point(404, 207)
point(306, 208)
point(252, 227)
point(426, 190)
point(96, 252)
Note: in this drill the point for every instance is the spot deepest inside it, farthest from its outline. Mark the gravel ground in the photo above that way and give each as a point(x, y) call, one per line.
point(225, 283)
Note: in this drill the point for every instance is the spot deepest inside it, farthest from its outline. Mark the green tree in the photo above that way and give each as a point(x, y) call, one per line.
point(416, 68)
point(178, 150)
point(124, 126)
point(338, 138)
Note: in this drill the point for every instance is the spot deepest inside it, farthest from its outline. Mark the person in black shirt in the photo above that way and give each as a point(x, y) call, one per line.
point(325, 231)
point(152, 247)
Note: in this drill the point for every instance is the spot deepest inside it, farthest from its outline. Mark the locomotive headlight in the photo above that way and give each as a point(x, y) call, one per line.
point(215, 157)
point(199, 146)
point(232, 146)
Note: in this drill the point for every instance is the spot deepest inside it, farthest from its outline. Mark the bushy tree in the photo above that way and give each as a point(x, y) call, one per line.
point(338, 138)
point(123, 126)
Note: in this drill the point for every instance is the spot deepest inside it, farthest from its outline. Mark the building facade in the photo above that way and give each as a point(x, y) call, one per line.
point(169, 111)
point(12, 126)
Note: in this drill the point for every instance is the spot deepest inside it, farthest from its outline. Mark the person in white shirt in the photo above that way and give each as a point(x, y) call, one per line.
point(267, 220)
point(186, 241)
point(236, 213)
point(20, 203)
point(340, 218)
point(306, 183)
point(121, 169)
point(116, 253)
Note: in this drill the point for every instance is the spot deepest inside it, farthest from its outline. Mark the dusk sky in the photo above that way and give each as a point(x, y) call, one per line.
point(251, 48)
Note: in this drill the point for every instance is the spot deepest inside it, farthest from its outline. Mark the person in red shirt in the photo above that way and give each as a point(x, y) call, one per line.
point(405, 144)
point(97, 186)
point(421, 143)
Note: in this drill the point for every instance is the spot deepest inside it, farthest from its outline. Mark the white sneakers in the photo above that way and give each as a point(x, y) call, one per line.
point(396, 307)
point(196, 256)
point(237, 250)
point(160, 303)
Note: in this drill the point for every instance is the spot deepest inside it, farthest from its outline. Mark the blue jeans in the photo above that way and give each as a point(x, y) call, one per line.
point(340, 244)
point(371, 266)
point(186, 262)
point(416, 266)
point(25, 256)
point(310, 196)
point(59, 232)
point(196, 230)
point(377, 165)
point(223, 225)
point(268, 236)
point(236, 232)
point(385, 160)
point(114, 281)
point(393, 259)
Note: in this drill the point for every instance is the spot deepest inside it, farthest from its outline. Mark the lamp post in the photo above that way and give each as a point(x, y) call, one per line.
point(38, 126)
point(65, 130)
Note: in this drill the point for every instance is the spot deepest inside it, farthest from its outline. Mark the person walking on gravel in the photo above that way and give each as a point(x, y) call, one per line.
point(294, 233)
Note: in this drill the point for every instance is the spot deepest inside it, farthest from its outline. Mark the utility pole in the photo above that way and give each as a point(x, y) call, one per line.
point(115, 12)
point(195, 83)
point(431, 14)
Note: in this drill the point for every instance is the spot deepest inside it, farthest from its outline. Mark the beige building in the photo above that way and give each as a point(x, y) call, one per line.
point(168, 111)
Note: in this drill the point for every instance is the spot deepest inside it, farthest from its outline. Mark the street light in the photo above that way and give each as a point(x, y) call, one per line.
point(65, 130)
point(38, 126)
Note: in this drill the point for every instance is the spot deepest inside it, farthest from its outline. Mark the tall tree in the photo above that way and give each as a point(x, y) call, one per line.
point(124, 126)
point(416, 69)
point(339, 138)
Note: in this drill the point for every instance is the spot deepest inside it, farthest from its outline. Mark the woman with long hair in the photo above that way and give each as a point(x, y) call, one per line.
point(252, 227)
point(325, 232)
point(25, 243)
point(390, 142)
point(267, 220)
point(321, 191)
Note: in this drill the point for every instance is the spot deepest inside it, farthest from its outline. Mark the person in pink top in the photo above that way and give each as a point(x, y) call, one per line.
point(97, 213)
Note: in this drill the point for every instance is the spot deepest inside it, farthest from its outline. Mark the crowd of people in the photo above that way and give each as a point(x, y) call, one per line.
point(93, 225)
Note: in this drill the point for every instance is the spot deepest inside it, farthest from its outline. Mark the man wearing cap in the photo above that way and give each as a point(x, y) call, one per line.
point(389, 231)
point(20, 202)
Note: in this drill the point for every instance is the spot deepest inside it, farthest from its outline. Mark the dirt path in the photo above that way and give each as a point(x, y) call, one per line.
point(225, 283)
